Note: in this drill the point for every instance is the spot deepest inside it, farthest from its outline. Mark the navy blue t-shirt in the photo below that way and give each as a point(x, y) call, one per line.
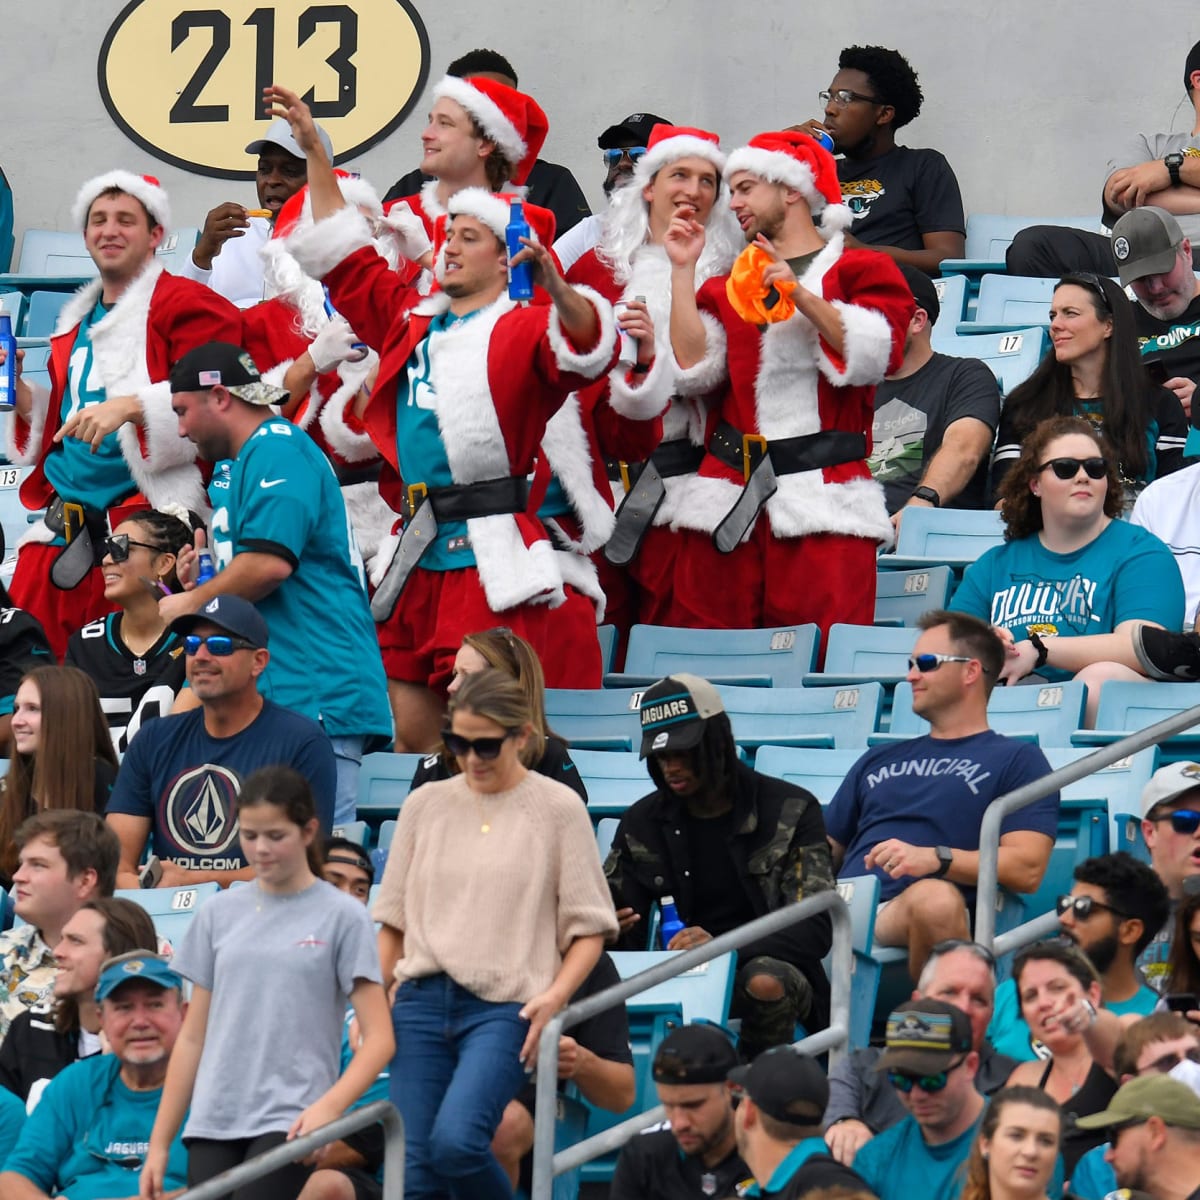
point(933, 792)
point(187, 782)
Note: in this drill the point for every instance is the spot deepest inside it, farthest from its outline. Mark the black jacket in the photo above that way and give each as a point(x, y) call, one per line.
point(33, 1049)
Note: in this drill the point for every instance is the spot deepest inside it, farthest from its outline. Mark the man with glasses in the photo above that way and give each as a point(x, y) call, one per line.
point(1153, 1126)
point(1161, 1044)
point(281, 539)
point(909, 813)
point(181, 776)
point(906, 202)
point(862, 1103)
point(88, 1135)
point(928, 1057)
point(1112, 912)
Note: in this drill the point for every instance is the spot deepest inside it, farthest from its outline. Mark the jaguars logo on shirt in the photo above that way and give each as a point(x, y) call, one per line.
point(859, 194)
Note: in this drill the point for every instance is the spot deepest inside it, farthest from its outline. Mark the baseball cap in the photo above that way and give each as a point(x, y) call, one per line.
point(694, 1054)
point(786, 1084)
point(223, 363)
point(1169, 783)
point(674, 711)
point(1148, 1096)
point(636, 126)
point(925, 1036)
point(279, 133)
point(231, 613)
point(923, 291)
point(1145, 241)
point(137, 964)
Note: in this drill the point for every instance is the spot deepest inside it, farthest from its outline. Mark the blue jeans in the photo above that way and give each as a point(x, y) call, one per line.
point(348, 754)
point(456, 1067)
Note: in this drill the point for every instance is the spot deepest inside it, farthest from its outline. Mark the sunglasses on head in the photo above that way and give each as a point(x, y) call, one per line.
point(1083, 906)
point(1068, 468)
point(902, 1081)
point(930, 662)
point(116, 546)
point(614, 156)
point(1092, 282)
point(219, 645)
point(1183, 820)
point(486, 748)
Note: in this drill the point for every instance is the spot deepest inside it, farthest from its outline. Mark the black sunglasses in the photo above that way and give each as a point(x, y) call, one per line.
point(1183, 820)
point(486, 748)
point(219, 645)
point(1083, 906)
point(116, 546)
point(1068, 468)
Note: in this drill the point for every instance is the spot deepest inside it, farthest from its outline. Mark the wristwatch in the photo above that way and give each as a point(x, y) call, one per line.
point(945, 857)
point(928, 494)
point(1173, 162)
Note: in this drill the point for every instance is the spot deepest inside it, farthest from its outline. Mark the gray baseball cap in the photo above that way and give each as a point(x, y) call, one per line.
point(280, 134)
point(1145, 241)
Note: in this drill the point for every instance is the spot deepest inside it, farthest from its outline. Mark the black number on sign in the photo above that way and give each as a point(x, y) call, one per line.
point(185, 110)
point(263, 20)
point(346, 20)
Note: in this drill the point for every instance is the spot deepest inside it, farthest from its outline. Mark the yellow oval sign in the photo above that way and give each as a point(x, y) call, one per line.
point(185, 81)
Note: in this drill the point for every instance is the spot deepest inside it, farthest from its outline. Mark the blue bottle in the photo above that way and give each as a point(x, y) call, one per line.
point(520, 277)
point(206, 571)
point(8, 368)
point(670, 924)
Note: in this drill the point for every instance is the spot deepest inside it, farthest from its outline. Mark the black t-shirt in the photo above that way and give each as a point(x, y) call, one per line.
point(555, 764)
point(720, 901)
point(23, 646)
point(911, 416)
point(651, 1167)
point(900, 196)
point(1174, 343)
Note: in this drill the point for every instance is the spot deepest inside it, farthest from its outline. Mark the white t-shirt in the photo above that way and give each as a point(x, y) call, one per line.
point(237, 272)
point(1170, 509)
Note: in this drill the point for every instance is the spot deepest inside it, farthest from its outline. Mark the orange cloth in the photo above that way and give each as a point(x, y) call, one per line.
point(746, 292)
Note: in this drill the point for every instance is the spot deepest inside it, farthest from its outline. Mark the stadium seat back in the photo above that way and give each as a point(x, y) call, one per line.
point(902, 596)
point(353, 831)
point(862, 896)
point(1119, 785)
point(55, 252)
point(841, 717)
point(596, 718)
point(14, 516)
point(1125, 707)
point(779, 656)
point(44, 308)
point(176, 248)
point(989, 235)
point(1052, 712)
point(13, 303)
point(953, 537)
point(608, 647)
point(1083, 832)
point(1014, 300)
point(818, 771)
point(614, 780)
point(384, 780)
point(1011, 355)
point(952, 300)
point(867, 652)
point(171, 909)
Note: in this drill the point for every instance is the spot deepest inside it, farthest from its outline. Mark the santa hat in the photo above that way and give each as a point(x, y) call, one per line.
point(670, 143)
point(145, 188)
point(797, 161)
point(494, 209)
point(297, 210)
point(511, 119)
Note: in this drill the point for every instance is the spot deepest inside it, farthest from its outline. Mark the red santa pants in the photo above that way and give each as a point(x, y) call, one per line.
point(437, 609)
point(769, 581)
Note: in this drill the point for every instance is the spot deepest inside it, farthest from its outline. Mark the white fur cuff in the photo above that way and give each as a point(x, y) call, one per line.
point(25, 453)
point(866, 347)
point(591, 363)
point(648, 395)
point(320, 247)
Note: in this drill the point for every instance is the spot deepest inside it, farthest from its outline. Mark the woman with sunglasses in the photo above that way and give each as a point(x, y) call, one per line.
point(1071, 582)
point(1094, 370)
point(1059, 992)
point(1016, 1150)
point(135, 661)
point(494, 910)
point(62, 755)
point(503, 650)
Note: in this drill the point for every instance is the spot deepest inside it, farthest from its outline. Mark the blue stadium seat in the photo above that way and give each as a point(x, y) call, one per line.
point(989, 236)
point(1011, 356)
point(171, 909)
point(354, 831)
point(701, 994)
point(1048, 714)
point(383, 844)
point(51, 258)
point(614, 780)
point(1008, 302)
point(1083, 832)
point(952, 301)
point(13, 303)
point(747, 657)
point(818, 771)
point(861, 653)
point(14, 516)
point(6, 222)
point(840, 717)
point(176, 248)
point(608, 647)
point(1119, 784)
point(862, 895)
point(42, 316)
point(1125, 707)
point(36, 367)
point(606, 832)
point(902, 596)
point(603, 719)
point(953, 537)
point(383, 781)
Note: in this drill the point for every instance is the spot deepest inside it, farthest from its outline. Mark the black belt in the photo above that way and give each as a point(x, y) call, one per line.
point(463, 501)
point(65, 518)
point(671, 459)
point(829, 448)
point(84, 530)
point(348, 475)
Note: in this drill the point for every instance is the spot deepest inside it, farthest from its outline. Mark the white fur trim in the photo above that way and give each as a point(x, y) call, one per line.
point(38, 534)
point(356, 191)
point(168, 472)
point(370, 517)
point(672, 149)
point(431, 206)
point(866, 345)
point(488, 116)
point(579, 572)
point(591, 363)
point(30, 448)
point(154, 198)
point(384, 553)
point(484, 206)
point(511, 572)
point(275, 375)
point(352, 446)
point(432, 305)
point(568, 452)
point(649, 394)
point(835, 218)
point(79, 306)
point(320, 247)
point(711, 371)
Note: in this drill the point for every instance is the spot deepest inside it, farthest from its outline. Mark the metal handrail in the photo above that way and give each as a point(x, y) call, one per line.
point(382, 1112)
point(547, 1164)
point(989, 830)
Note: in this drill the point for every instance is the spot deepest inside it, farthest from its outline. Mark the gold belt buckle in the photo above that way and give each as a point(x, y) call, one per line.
point(625, 481)
point(73, 515)
point(748, 440)
point(417, 492)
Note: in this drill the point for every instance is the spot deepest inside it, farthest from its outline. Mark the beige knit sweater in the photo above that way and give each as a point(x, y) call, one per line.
point(495, 911)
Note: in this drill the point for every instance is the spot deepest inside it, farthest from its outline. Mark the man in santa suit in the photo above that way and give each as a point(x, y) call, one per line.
point(481, 134)
point(783, 520)
point(104, 442)
point(679, 173)
point(467, 381)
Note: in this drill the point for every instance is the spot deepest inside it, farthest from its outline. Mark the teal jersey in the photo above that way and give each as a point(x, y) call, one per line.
point(97, 479)
point(421, 452)
point(556, 503)
point(280, 496)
